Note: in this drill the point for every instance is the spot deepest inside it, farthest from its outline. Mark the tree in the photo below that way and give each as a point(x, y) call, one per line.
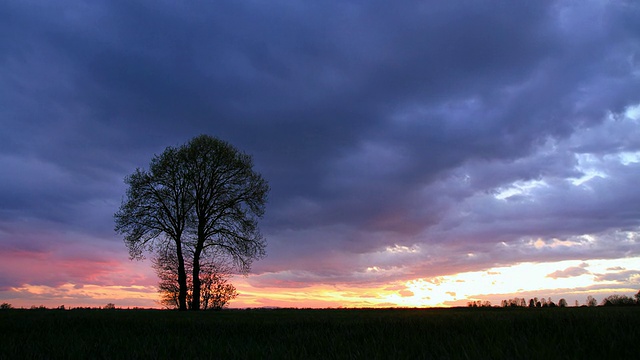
point(515, 302)
point(156, 212)
point(591, 301)
point(562, 303)
point(165, 264)
point(543, 302)
point(202, 199)
point(229, 197)
point(618, 300)
point(215, 293)
point(637, 297)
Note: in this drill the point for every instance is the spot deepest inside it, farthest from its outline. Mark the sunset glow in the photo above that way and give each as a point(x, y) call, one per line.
point(572, 280)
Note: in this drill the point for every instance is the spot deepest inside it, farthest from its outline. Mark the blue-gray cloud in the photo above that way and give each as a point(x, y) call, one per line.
point(377, 124)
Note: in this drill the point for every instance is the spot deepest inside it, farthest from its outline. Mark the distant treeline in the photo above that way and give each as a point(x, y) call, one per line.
point(109, 306)
point(613, 300)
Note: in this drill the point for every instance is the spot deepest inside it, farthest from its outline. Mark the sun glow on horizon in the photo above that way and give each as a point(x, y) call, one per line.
point(550, 279)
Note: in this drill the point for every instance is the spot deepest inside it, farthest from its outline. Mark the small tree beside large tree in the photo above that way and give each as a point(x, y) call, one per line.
point(216, 291)
point(198, 204)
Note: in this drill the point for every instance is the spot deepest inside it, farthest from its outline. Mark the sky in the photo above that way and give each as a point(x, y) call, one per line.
point(419, 153)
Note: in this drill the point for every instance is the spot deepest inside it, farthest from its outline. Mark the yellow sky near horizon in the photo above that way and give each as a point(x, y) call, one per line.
point(451, 290)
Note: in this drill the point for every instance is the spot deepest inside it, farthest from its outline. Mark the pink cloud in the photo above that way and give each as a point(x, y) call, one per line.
point(54, 268)
point(569, 272)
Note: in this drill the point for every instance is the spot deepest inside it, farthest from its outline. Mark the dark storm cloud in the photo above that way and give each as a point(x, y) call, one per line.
point(377, 124)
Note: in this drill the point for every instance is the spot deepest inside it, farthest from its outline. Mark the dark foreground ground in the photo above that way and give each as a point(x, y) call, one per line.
point(495, 333)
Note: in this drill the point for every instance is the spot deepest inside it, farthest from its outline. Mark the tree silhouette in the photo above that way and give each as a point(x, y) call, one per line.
point(204, 199)
point(228, 198)
point(618, 300)
point(165, 264)
point(515, 302)
point(156, 211)
point(215, 292)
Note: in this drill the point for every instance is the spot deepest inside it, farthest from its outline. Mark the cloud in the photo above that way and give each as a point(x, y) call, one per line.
point(467, 136)
point(406, 293)
point(570, 272)
point(628, 277)
point(44, 254)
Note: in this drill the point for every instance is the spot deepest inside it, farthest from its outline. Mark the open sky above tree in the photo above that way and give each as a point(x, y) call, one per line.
point(418, 152)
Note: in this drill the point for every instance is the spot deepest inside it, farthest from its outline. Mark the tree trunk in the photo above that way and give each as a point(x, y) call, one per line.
point(195, 301)
point(182, 279)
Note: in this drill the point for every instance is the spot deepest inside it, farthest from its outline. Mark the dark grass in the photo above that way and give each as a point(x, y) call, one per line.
point(463, 333)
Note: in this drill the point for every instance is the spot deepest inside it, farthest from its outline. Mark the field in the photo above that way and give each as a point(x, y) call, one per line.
point(459, 333)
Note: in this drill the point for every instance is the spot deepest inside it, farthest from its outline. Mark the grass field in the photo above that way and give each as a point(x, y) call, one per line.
point(459, 333)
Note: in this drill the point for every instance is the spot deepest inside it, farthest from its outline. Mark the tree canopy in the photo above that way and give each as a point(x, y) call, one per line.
point(200, 201)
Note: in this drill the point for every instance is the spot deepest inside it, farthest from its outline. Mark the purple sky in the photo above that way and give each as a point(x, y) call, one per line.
point(402, 140)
